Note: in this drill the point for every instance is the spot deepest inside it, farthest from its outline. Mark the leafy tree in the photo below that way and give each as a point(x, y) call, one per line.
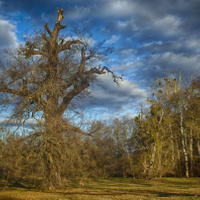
point(42, 79)
point(167, 133)
point(192, 122)
point(151, 141)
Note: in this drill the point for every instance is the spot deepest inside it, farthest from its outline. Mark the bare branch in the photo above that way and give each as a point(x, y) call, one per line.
point(95, 70)
point(114, 76)
point(46, 38)
point(82, 65)
point(61, 26)
point(30, 53)
point(103, 70)
point(32, 72)
point(67, 99)
point(48, 29)
point(68, 44)
point(69, 127)
point(12, 91)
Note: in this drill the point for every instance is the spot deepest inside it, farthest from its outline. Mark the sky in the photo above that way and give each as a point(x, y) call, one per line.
point(150, 38)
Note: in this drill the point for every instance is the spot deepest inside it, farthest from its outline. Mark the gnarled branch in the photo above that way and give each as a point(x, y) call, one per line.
point(67, 99)
point(48, 29)
point(68, 44)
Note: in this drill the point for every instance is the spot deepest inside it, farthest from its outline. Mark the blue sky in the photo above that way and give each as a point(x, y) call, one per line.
point(150, 37)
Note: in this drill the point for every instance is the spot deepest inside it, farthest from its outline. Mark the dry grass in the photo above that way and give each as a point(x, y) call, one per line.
point(115, 188)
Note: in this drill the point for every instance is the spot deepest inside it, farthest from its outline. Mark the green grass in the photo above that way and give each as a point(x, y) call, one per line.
point(114, 188)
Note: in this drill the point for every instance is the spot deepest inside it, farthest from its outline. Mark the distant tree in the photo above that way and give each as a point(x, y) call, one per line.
point(121, 132)
point(195, 107)
point(178, 100)
point(192, 124)
point(42, 78)
point(167, 134)
point(11, 156)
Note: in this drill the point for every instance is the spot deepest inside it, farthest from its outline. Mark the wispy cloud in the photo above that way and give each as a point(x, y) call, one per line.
point(113, 39)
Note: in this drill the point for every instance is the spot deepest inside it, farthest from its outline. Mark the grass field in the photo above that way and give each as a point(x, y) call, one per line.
point(114, 188)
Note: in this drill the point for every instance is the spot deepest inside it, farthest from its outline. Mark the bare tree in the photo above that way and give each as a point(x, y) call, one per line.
point(42, 78)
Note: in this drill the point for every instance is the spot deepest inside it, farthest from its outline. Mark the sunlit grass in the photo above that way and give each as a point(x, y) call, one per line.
point(113, 188)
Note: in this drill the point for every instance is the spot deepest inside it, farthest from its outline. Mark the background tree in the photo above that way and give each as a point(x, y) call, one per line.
point(192, 122)
point(12, 156)
point(166, 137)
point(41, 80)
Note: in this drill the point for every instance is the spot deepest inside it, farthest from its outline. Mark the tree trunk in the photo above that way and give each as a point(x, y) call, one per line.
point(145, 165)
point(53, 151)
point(191, 154)
point(159, 153)
point(172, 143)
point(183, 145)
point(52, 172)
point(198, 143)
point(151, 166)
point(52, 163)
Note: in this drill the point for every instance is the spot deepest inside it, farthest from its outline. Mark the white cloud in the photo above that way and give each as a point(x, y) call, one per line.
point(168, 25)
point(111, 101)
point(118, 7)
point(114, 95)
point(191, 44)
point(130, 25)
point(122, 24)
point(123, 67)
point(149, 44)
point(113, 39)
point(128, 52)
point(8, 37)
point(78, 12)
point(179, 61)
point(160, 64)
point(121, 101)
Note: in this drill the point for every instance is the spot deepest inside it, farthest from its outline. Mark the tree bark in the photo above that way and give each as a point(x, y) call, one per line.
point(183, 145)
point(52, 164)
point(198, 143)
point(172, 143)
point(53, 151)
point(191, 154)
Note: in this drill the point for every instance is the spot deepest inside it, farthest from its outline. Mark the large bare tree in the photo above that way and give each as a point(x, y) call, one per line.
point(42, 78)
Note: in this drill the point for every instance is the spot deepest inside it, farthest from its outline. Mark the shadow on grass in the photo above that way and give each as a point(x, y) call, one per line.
point(111, 188)
point(168, 194)
point(22, 183)
point(134, 192)
point(10, 198)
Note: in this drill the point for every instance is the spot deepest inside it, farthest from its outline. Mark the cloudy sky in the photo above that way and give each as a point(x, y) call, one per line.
point(150, 37)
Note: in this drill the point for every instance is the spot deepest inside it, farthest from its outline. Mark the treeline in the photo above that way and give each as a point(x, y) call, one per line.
point(167, 136)
point(162, 140)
